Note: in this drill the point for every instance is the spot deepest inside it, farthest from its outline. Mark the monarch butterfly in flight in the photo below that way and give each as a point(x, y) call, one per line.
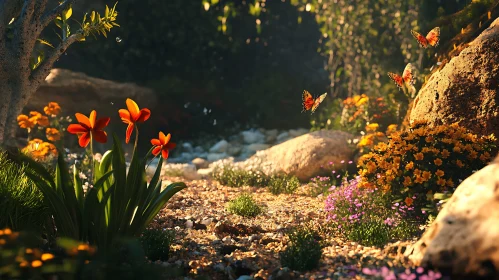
point(309, 103)
point(407, 76)
point(431, 39)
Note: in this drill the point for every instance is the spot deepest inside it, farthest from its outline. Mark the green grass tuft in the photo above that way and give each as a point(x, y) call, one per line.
point(304, 252)
point(156, 243)
point(244, 205)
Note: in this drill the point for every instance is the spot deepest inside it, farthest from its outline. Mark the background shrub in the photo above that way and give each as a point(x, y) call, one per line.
point(304, 252)
point(236, 177)
point(244, 205)
point(416, 164)
point(156, 243)
point(21, 203)
point(283, 184)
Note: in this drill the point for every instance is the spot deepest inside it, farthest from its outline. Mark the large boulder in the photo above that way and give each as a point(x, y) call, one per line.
point(77, 92)
point(463, 240)
point(307, 155)
point(465, 90)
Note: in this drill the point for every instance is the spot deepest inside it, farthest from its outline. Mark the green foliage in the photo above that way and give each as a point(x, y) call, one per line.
point(236, 177)
point(244, 205)
point(22, 258)
point(120, 203)
point(367, 216)
point(156, 243)
point(424, 161)
point(21, 203)
point(283, 184)
point(304, 252)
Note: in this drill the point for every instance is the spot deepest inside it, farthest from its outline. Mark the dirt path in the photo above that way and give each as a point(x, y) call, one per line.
point(210, 241)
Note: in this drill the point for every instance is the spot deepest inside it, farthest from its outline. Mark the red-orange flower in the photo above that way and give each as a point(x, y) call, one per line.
point(89, 128)
point(132, 116)
point(162, 145)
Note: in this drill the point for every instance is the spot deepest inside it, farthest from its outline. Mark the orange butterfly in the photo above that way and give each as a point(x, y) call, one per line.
point(309, 103)
point(431, 39)
point(407, 77)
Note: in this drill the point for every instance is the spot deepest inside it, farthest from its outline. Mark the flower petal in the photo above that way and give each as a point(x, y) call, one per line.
point(164, 153)
point(93, 116)
point(83, 120)
point(156, 150)
point(124, 115)
point(76, 128)
point(155, 142)
point(164, 139)
point(133, 108)
point(84, 139)
point(129, 131)
point(101, 123)
point(171, 145)
point(144, 115)
point(100, 136)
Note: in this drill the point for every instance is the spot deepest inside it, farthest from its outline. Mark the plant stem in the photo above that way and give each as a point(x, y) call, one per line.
point(92, 159)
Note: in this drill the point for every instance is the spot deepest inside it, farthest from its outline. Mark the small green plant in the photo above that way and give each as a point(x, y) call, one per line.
point(283, 184)
point(237, 177)
point(244, 205)
point(156, 243)
point(304, 252)
point(21, 202)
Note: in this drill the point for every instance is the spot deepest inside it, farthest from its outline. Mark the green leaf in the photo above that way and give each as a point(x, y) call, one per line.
point(66, 14)
point(45, 43)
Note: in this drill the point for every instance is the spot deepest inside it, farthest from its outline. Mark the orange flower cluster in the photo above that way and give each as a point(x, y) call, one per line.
point(34, 258)
point(425, 159)
point(89, 128)
point(40, 149)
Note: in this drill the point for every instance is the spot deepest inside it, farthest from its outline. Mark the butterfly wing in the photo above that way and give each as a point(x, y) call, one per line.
point(433, 37)
point(307, 101)
point(407, 75)
point(421, 39)
point(318, 101)
point(397, 79)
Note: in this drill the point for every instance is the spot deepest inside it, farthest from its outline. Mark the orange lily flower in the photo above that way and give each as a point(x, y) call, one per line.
point(89, 128)
point(162, 145)
point(132, 116)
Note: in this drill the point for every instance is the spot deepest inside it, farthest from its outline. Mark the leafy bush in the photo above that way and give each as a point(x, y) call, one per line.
point(236, 177)
point(304, 252)
point(156, 243)
point(21, 202)
point(121, 202)
point(283, 184)
point(417, 164)
point(244, 205)
point(365, 215)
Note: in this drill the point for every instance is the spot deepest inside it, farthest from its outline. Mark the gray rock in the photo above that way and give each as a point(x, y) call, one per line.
point(271, 135)
point(253, 136)
point(253, 148)
point(187, 147)
point(216, 156)
point(283, 136)
point(220, 147)
point(198, 149)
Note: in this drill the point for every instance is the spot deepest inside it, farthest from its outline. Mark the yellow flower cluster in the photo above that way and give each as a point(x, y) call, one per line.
point(373, 136)
point(36, 118)
point(425, 159)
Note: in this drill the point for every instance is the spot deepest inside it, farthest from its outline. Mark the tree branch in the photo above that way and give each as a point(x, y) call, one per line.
point(49, 16)
point(43, 70)
point(41, 5)
point(26, 16)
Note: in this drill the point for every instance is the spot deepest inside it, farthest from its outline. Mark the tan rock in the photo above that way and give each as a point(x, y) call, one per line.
point(77, 92)
point(466, 89)
point(304, 156)
point(464, 237)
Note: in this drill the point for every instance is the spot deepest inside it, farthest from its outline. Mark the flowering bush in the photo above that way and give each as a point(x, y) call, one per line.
point(416, 164)
point(364, 215)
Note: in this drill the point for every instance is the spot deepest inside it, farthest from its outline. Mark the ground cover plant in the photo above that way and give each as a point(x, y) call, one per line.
point(244, 205)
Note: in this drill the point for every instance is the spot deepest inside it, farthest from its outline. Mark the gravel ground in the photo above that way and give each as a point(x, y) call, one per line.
point(215, 243)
